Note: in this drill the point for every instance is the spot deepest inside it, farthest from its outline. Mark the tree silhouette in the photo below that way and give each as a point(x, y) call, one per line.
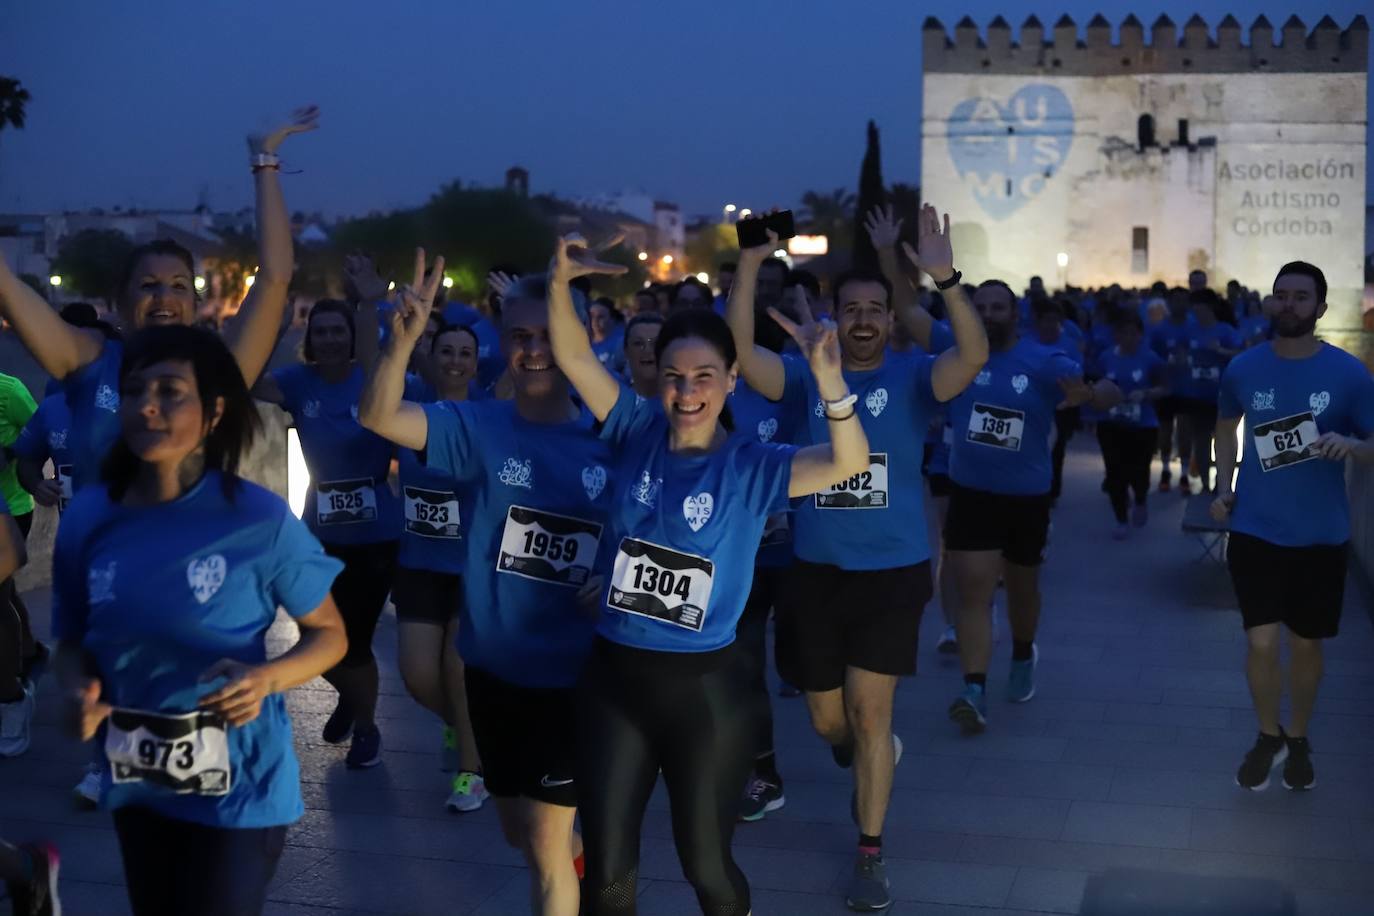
point(871, 194)
point(14, 101)
point(90, 262)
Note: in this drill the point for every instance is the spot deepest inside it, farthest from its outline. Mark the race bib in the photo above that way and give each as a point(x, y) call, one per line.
point(547, 547)
point(64, 480)
point(1280, 443)
point(865, 490)
point(999, 427)
point(1206, 373)
point(661, 583)
point(432, 513)
point(185, 754)
point(345, 502)
point(777, 529)
point(1126, 411)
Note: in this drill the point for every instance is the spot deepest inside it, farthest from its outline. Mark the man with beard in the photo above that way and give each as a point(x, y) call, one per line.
point(1307, 407)
point(999, 510)
point(849, 609)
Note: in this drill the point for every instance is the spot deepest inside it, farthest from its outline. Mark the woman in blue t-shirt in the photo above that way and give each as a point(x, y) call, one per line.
point(167, 576)
point(350, 506)
point(429, 574)
point(687, 514)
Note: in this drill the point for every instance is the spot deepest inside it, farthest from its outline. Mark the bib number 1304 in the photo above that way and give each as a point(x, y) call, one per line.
point(662, 583)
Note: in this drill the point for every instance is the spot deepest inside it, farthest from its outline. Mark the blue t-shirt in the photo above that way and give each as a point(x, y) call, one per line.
point(1169, 340)
point(1130, 372)
point(611, 351)
point(159, 594)
point(349, 501)
point(766, 421)
point(937, 432)
point(1002, 423)
point(1205, 364)
point(1254, 329)
point(490, 362)
point(683, 531)
point(1284, 494)
point(433, 506)
point(876, 519)
point(48, 435)
point(93, 396)
point(539, 495)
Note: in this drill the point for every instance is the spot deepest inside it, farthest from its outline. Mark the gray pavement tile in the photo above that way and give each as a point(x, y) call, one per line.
point(87, 898)
point(1273, 834)
point(89, 853)
point(983, 815)
point(1150, 756)
point(394, 884)
point(1127, 825)
point(676, 898)
point(1331, 903)
point(1351, 877)
point(1226, 865)
point(1057, 855)
point(451, 841)
point(1178, 787)
point(1048, 890)
point(960, 883)
point(1037, 779)
point(992, 744)
point(277, 908)
point(1113, 731)
point(1160, 714)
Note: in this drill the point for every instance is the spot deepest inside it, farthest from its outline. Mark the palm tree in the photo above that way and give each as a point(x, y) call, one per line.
point(14, 99)
point(828, 214)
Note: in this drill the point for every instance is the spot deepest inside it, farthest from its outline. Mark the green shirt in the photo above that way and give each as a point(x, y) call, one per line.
point(16, 406)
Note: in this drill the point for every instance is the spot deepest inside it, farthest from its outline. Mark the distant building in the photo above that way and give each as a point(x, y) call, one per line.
point(1132, 162)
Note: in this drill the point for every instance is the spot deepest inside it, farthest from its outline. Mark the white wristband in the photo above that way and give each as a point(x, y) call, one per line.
point(833, 407)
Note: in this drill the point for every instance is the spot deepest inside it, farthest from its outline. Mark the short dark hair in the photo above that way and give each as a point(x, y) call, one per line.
point(154, 248)
point(1196, 270)
point(807, 281)
point(217, 376)
point(780, 264)
point(79, 314)
point(446, 328)
point(706, 295)
point(859, 275)
point(1304, 269)
point(1043, 305)
point(1002, 284)
point(330, 307)
point(1206, 296)
point(641, 318)
point(1128, 317)
point(708, 326)
point(647, 291)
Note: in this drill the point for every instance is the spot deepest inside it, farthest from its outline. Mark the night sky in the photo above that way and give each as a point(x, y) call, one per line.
point(145, 104)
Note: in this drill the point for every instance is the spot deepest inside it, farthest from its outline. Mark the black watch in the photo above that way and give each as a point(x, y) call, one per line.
point(952, 281)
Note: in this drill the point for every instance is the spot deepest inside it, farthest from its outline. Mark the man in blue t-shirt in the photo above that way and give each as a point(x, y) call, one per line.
point(1211, 345)
point(849, 609)
point(1307, 408)
point(1169, 340)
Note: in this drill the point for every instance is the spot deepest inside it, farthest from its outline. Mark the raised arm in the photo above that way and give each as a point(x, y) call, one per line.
point(884, 229)
point(253, 333)
point(956, 368)
point(59, 348)
point(572, 349)
point(365, 288)
point(761, 367)
point(382, 408)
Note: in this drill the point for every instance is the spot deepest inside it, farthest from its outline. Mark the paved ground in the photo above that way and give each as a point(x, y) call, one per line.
point(1123, 761)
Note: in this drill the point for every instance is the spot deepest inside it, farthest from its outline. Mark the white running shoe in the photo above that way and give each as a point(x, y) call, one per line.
point(15, 721)
point(87, 791)
point(469, 793)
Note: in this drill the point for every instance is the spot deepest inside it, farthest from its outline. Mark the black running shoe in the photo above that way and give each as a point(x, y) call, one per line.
point(339, 726)
point(1297, 772)
point(38, 895)
point(1269, 751)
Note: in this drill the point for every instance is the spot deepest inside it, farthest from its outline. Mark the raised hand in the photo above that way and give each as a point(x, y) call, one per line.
point(301, 120)
point(362, 283)
point(572, 258)
point(416, 301)
point(883, 228)
point(757, 254)
point(818, 341)
point(933, 253)
point(500, 283)
point(1076, 392)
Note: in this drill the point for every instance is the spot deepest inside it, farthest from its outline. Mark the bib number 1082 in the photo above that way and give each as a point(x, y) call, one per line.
point(858, 483)
point(651, 579)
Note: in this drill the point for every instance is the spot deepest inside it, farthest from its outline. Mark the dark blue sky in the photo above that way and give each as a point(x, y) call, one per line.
point(725, 100)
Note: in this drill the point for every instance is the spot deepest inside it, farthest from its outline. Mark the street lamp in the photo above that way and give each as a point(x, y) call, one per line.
point(704, 277)
point(729, 208)
point(55, 280)
point(448, 282)
point(248, 280)
point(1062, 259)
point(667, 259)
point(644, 255)
point(200, 284)
point(745, 212)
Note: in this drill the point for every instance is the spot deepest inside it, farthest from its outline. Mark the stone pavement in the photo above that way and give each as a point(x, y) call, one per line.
point(1124, 760)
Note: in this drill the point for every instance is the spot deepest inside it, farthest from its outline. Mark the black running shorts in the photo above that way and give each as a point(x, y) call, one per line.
point(830, 619)
point(526, 737)
point(1017, 526)
point(1302, 588)
point(425, 596)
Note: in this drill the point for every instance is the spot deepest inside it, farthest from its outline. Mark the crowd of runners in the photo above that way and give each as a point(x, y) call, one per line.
point(585, 513)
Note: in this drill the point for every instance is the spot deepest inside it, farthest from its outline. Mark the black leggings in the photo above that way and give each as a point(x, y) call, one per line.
point(1066, 422)
point(1173, 423)
point(1202, 426)
point(360, 592)
point(15, 637)
point(1126, 454)
point(684, 713)
point(751, 638)
point(175, 867)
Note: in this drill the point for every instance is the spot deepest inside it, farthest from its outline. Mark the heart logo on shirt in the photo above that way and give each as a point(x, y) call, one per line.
point(1019, 382)
point(697, 510)
point(1319, 402)
point(1137, 375)
point(768, 429)
point(876, 401)
point(593, 480)
point(206, 575)
point(311, 409)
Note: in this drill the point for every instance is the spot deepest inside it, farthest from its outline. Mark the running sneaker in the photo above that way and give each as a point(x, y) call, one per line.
point(1165, 484)
point(949, 642)
point(760, 798)
point(38, 895)
point(37, 663)
point(1021, 680)
point(1298, 774)
point(789, 691)
point(1140, 515)
point(868, 889)
point(1121, 531)
point(366, 749)
point(1185, 487)
point(469, 792)
point(970, 710)
point(86, 793)
point(448, 752)
point(339, 727)
point(1269, 751)
point(15, 721)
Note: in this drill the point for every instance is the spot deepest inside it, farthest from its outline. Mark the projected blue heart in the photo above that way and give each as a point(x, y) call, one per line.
point(1009, 152)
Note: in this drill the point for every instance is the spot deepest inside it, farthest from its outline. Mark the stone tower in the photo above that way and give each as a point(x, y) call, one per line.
point(1140, 160)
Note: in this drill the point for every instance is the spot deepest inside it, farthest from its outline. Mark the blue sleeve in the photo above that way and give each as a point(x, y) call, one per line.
point(921, 371)
point(1229, 404)
point(450, 445)
point(1072, 329)
point(941, 337)
point(1362, 406)
point(288, 382)
point(630, 418)
point(1061, 365)
point(301, 571)
point(795, 371)
point(764, 472)
point(32, 442)
point(69, 595)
